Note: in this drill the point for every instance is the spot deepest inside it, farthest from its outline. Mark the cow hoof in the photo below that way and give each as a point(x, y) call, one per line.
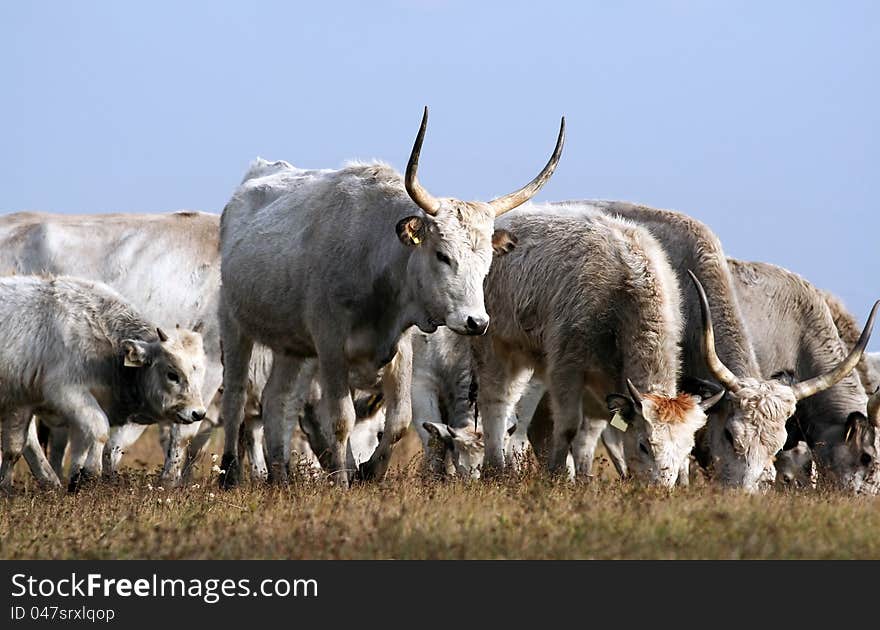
point(81, 478)
point(277, 475)
point(230, 472)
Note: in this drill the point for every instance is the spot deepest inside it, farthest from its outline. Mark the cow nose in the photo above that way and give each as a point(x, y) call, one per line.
point(477, 326)
point(198, 415)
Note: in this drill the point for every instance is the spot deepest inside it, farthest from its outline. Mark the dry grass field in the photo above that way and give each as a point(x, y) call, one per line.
point(407, 517)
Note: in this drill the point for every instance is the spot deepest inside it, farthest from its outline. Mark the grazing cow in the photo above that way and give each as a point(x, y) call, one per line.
point(795, 467)
point(166, 265)
point(311, 267)
point(76, 352)
point(444, 399)
point(590, 303)
point(748, 428)
point(794, 336)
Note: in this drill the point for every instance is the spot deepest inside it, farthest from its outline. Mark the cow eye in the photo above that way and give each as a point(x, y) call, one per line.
point(379, 435)
point(866, 459)
point(444, 258)
point(173, 377)
point(644, 448)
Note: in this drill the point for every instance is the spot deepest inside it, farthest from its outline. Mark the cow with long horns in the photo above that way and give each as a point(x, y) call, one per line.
point(338, 264)
point(748, 427)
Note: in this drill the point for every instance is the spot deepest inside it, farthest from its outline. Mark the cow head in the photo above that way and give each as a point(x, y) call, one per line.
point(453, 242)
point(170, 375)
point(795, 468)
point(660, 431)
point(455, 451)
point(749, 428)
point(847, 456)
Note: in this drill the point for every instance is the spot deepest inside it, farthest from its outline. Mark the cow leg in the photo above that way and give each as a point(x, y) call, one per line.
point(518, 444)
point(36, 459)
point(396, 386)
point(12, 442)
point(179, 439)
point(89, 431)
point(335, 408)
point(196, 448)
point(58, 437)
point(237, 350)
point(566, 388)
point(583, 446)
point(255, 447)
point(501, 385)
point(276, 395)
point(612, 439)
point(121, 439)
point(426, 408)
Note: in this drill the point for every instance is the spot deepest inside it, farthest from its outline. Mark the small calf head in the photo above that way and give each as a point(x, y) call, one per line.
point(660, 433)
point(459, 451)
point(453, 243)
point(170, 374)
point(795, 468)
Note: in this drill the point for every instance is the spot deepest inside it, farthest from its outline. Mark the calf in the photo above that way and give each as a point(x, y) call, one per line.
point(76, 353)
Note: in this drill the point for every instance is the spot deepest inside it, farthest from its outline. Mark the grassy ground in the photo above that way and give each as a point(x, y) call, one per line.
point(406, 517)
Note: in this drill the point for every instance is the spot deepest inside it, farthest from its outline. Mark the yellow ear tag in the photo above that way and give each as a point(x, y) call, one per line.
point(618, 422)
point(416, 240)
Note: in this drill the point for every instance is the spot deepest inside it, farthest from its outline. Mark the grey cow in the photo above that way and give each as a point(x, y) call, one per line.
point(311, 266)
point(166, 265)
point(748, 428)
point(591, 305)
point(794, 337)
point(76, 352)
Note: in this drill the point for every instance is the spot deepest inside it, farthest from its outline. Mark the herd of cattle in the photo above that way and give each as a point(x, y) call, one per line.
point(307, 321)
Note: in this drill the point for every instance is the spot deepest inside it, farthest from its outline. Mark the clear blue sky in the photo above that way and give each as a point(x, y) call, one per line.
point(760, 118)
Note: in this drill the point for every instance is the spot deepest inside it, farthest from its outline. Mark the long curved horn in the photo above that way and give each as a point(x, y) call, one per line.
point(422, 197)
point(514, 199)
point(718, 369)
point(818, 384)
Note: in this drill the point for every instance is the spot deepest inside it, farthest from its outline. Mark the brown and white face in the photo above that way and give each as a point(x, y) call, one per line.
point(171, 374)
point(660, 432)
point(453, 243)
point(748, 427)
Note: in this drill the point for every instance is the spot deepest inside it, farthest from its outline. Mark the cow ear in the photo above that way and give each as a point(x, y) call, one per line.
point(412, 231)
point(503, 242)
point(618, 403)
point(439, 431)
point(135, 353)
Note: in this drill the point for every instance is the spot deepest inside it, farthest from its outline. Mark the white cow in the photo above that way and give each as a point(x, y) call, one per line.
point(311, 267)
point(77, 353)
point(166, 265)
